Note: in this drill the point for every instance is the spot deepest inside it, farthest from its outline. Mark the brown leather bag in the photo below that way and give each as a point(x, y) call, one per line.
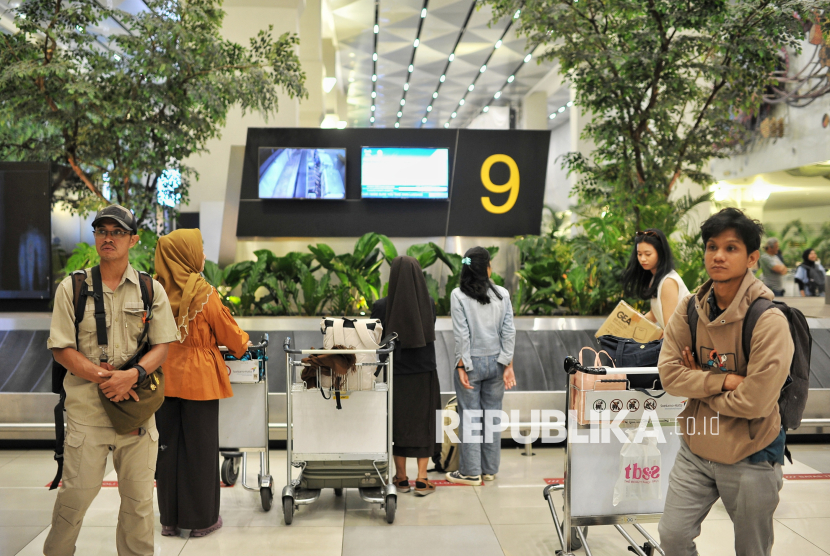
point(338, 364)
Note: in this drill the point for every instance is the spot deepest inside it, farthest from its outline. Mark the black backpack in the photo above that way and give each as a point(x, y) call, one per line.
point(793, 397)
point(80, 291)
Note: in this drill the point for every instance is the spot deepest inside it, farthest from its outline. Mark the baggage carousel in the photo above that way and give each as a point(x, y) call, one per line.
point(26, 403)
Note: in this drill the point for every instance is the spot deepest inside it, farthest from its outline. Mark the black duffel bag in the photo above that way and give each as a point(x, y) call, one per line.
point(630, 353)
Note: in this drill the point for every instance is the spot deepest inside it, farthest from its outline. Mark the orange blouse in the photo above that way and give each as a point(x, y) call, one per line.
point(195, 368)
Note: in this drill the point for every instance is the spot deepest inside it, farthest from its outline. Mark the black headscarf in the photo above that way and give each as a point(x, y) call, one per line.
point(409, 310)
point(805, 256)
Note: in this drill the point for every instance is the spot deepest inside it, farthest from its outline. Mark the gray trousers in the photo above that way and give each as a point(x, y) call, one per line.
point(748, 490)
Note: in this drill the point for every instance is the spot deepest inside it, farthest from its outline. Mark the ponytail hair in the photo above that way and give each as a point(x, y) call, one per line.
point(474, 281)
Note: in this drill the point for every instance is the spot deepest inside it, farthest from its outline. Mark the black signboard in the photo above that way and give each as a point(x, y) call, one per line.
point(496, 186)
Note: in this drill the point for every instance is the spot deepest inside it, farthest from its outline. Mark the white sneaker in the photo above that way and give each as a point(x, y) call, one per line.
point(488, 477)
point(458, 478)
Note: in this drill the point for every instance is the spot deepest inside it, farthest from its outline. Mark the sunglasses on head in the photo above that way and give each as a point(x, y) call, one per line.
point(646, 233)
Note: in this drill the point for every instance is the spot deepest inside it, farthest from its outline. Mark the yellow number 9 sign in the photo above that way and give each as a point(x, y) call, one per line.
point(512, 184)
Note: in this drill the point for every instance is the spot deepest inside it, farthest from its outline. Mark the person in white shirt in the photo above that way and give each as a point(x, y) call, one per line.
point(650, 275)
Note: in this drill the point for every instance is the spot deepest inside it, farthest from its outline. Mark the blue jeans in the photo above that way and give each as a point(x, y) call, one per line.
point(487, 380)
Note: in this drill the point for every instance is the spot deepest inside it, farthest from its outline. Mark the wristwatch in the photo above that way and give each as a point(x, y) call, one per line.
point(142, 373)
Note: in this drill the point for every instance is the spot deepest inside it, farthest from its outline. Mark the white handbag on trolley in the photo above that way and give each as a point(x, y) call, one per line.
point(354, 334)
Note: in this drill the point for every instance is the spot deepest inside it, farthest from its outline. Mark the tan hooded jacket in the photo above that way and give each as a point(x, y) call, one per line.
point(726, 427)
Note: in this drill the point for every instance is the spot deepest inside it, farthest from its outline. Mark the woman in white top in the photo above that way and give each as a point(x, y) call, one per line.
point(650, 275)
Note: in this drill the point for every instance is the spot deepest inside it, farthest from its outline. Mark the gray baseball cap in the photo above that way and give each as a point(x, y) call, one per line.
point(118, 213)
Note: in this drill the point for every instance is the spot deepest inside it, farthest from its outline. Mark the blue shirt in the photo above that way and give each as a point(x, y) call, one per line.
point(482, 330)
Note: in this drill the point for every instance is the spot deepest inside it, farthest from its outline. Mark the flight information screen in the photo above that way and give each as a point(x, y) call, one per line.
point(404, 173)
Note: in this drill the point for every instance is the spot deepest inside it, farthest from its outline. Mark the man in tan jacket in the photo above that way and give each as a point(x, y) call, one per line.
point(90, 436)
point(733, 445)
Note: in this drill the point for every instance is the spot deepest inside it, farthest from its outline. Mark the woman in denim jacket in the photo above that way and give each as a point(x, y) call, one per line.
point(482, 324)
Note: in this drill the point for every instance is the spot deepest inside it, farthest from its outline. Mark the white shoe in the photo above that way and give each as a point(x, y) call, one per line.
point(488, 477)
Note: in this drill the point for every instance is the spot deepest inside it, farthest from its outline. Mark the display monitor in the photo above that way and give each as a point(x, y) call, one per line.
point(404, 173)
point(302, 173)
point(25, 231)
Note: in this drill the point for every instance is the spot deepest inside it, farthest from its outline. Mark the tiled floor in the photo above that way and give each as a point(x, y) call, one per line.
point(506, 517)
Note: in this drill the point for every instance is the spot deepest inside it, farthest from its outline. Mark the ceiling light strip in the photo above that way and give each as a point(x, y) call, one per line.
point(411, 68)
point(450, 59)
point(498, 94)
point(483, 68)
point(561, 109)
point(376, 30)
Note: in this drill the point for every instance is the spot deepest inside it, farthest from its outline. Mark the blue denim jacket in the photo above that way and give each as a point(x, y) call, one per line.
point(482, 330)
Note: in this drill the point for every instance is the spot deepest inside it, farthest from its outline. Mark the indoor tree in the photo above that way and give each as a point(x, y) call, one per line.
point(663, 82)
point(120, 100)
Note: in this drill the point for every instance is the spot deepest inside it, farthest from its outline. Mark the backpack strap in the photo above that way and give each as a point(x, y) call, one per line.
point(693, 317)
point(145, 282)
point(80, 291)
point(100, 311)
point(756, 309)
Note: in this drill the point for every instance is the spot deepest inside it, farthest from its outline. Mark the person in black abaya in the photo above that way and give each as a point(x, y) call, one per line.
point(409, 311)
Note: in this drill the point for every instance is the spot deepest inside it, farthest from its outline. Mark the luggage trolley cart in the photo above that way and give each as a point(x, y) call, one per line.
point(243, 420)
point(339, 448)
point(591, 469)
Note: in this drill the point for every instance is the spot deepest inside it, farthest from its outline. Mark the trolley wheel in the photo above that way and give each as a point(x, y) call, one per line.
point(338, 492)
point(230, 471)
point(288, 509)
point(391, 506)
point(266, 497)
point(576, 544)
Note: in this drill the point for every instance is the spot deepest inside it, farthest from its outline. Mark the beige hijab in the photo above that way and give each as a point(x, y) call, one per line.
point(178, 265)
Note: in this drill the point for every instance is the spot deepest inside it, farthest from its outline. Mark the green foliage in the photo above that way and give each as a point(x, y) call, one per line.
point(600, 256)
point(666, 84)
point(557, 275)
point(544, 260)
point(795, 237)
point(123, 108)
point(424, 253)
point(142, 255)
point(315, 292)
point(360, 268)
point(226, 280)
point(342, 301)
point(213, 274)
point(663, 81)
point(688, 260)
point(83, 256)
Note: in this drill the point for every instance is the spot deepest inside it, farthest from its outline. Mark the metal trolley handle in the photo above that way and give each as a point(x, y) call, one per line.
point(572, 366)
point(387, 346)
point(261, 345)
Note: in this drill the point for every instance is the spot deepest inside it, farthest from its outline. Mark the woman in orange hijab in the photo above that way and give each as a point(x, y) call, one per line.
point(195, 380)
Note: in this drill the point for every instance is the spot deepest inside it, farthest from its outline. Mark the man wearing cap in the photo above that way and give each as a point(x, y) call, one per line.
point(90, 434)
